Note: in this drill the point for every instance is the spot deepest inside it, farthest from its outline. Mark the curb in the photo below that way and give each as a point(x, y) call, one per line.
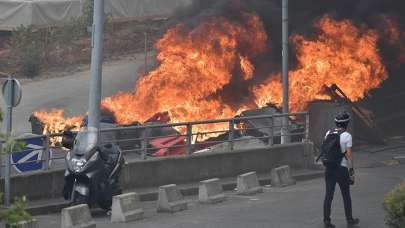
point(153, 196)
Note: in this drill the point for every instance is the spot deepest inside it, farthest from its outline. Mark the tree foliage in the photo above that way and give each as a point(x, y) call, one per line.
point(394, 206)
point(17, 213)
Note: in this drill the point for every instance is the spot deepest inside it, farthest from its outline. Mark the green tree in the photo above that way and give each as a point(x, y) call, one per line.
point(26, 46)
point(18, 211)
point(394, 206)
point(9, 144)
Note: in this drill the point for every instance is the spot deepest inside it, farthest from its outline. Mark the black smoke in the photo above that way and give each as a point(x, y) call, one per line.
point(367, 14)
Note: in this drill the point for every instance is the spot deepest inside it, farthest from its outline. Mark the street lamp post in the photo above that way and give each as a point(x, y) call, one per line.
point(284, 130)
point(96, 65)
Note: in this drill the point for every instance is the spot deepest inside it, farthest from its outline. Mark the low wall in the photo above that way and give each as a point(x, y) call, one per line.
point(176, 170)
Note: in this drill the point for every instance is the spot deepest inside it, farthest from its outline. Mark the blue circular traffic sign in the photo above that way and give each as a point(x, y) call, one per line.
point(30, 158)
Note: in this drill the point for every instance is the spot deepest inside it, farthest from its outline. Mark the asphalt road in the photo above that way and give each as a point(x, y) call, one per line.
point(70, 92)
point(298, 206)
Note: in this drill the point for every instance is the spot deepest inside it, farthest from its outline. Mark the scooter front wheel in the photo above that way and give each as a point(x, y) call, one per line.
point(105, 204)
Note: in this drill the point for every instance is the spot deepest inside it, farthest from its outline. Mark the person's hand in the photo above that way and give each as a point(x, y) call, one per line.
point(351, 176)
point(351, 171)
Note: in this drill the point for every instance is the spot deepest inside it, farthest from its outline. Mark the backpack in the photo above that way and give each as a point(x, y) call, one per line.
point(331, 153)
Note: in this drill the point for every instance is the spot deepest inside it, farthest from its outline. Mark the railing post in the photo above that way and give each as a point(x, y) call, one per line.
point(189, 138)
point(144, 143)
point(45, 153)
point(271, 132)
point(231, 134)
point(307, 127)
point(1, 159)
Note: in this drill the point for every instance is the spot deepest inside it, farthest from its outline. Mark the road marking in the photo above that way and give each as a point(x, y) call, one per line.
point(391, 162)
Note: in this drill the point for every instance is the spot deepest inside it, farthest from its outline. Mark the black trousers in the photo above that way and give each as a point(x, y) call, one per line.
point(341, 176)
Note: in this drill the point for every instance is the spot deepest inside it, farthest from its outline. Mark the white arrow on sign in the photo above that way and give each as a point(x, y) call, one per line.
point(37, 151)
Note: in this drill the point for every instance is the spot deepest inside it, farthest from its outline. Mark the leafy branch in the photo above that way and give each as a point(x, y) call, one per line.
point(17, 213)
point(11, 144)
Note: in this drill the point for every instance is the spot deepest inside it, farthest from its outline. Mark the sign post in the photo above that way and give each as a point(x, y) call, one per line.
point(12, 95)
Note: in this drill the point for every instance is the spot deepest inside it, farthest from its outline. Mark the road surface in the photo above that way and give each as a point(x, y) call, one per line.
point(298, 206)
point(71, 92)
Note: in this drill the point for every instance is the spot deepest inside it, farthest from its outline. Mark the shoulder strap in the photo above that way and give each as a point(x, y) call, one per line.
point(340, 133)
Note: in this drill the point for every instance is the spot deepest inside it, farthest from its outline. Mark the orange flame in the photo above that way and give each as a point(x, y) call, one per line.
point(195, 65)
point(247, 68)
point(55, 122)
point(342, 54)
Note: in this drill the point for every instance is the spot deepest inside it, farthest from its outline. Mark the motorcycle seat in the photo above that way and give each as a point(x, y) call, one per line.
point(111, 155)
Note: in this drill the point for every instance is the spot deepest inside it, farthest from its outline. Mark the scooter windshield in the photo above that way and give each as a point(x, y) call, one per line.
point(86, 141)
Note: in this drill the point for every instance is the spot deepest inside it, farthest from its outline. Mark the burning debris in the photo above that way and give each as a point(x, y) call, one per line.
point(265, 128)
point(214, 70)
point(364, 120)
point(53, 122)
point(342, 54)
point(195, 67)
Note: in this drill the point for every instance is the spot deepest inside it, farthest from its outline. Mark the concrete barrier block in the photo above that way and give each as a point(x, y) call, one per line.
point(125, 208)
point(248, 184)
point(77, 217)
point(281, 177)
point(210, 191)
point(170, 199)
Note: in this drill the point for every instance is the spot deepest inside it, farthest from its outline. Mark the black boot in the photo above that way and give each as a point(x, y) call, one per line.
point(328, 224)
point(353, 222)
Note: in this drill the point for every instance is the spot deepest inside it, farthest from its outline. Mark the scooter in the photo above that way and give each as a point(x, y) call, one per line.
point(92, 169)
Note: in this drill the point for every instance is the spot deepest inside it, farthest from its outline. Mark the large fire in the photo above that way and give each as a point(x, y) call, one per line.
point(197, 64)
point(342, 54)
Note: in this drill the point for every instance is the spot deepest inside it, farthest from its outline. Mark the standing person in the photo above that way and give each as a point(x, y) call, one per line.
point(337, 157)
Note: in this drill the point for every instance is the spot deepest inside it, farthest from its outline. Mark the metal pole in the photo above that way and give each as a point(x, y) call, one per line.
point(2, 167)
point(45, 153)
point(96, 65)
point(307, 127)
point(231, 135)
point(144, 143)
point(271, 135)
point(189, 139)
point(284, 129)
point(9, 119)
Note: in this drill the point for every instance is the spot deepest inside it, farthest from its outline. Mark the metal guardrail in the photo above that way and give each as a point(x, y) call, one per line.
point(140, 136)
